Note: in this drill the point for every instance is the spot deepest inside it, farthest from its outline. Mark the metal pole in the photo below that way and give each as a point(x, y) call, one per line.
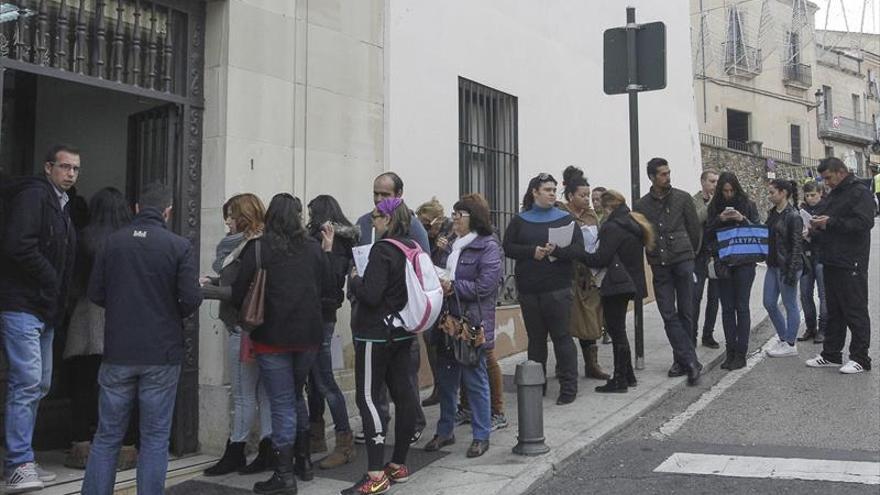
point(703, 60)
point(633, 88)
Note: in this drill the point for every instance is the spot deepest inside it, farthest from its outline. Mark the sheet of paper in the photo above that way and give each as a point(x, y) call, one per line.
point(591, 238)
point(806, 217)
point(361, 255)
point(561, 236)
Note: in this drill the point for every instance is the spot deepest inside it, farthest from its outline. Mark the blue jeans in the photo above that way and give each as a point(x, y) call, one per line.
point(248, 394)
point(28, 345)
point(154, 387)
point(811, 278)
point(476, 382)
point(322, 385)
point(774, 285)
point(736, 316)
point(284, 375)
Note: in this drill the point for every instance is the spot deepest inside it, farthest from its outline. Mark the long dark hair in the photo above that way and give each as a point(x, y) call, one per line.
point(740, 198)
point(324, 208)
point(572, 179)
point(788, 186)
point(284, 226)
point(109, 211)
point(537, 181)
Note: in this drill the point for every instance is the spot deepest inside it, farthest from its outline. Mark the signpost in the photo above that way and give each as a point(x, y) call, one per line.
point(635, 61)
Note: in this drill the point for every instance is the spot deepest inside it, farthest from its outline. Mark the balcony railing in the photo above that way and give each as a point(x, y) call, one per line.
point(742, 60)
point(799, 75)
point(846, 129)
point(838, 60)
point(757, 150)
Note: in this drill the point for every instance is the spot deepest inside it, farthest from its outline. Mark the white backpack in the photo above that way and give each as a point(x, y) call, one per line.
point(424, 294)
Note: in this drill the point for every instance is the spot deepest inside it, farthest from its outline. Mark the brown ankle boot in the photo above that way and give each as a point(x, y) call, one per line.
point(318, 439)
point(343, 453)
point(591, 368)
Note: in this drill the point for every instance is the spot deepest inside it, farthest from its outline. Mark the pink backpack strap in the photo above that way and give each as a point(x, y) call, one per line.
point(411, 253)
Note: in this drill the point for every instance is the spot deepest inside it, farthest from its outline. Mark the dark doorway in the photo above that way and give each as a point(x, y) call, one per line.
point(737, 129)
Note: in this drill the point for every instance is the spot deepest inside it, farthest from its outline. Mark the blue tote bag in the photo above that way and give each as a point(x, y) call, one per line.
point(743, 244)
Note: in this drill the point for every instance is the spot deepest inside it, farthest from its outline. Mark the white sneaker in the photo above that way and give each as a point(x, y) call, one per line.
point(852, 367)
point(783, 350)
point(820, 362)
point(23, 479)
point(45, 476)
point(773, 348)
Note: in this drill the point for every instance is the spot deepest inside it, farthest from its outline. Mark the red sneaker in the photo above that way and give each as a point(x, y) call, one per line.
point(399, 474)
point(369, 486)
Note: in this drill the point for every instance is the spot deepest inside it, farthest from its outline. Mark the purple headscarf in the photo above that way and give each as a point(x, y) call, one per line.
point(388, 205)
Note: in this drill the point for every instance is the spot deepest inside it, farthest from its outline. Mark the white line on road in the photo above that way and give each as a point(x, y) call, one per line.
point(673, 425)
point(773, 468)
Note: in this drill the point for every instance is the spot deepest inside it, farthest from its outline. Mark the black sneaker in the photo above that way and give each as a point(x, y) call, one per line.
point(710, 342)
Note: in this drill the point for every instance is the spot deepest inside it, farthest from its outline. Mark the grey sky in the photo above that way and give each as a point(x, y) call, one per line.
point(853, 15)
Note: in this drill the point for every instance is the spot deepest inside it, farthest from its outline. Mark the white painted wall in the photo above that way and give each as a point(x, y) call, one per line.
point(548, 55)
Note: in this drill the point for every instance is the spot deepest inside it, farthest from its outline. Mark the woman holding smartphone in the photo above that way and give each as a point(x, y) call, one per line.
point(732, 207)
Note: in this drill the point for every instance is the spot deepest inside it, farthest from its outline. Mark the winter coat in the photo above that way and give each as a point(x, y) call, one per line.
point(299, 285)
point(846, 241)
point(147, 280)
point(621, 250)
point(586, 309)
point(479, 272)
point(677, 225)
point(379, 294)
point(786, 243)
point(227, 264)
point(37, 250)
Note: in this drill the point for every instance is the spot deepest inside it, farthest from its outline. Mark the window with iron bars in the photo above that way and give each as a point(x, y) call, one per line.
point(488, 157)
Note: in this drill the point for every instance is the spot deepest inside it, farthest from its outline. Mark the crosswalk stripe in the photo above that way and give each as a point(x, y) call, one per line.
point(772, 468)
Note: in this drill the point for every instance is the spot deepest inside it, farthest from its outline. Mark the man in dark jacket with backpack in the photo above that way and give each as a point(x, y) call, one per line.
point(37, 244)
point(147, 280)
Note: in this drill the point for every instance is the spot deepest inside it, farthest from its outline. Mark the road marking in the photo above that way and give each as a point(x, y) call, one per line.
point(670, 427)
point(772, 467)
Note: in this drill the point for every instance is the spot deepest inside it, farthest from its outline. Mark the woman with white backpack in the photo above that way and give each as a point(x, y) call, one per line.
point(382, 348)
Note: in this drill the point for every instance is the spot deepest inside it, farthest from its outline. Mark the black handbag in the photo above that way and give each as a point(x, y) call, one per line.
point(462, 337)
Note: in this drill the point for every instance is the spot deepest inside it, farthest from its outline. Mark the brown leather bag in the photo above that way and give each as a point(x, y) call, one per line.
point(253, 308)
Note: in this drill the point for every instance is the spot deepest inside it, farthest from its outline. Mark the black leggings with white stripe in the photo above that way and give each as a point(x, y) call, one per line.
point(378, 365)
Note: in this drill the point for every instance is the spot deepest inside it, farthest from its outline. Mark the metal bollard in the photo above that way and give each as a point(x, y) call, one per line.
point(530, 406)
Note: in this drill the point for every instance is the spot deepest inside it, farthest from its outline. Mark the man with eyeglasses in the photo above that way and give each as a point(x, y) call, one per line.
point(37, 244)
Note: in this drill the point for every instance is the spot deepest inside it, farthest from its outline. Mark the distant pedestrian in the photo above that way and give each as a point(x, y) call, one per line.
point(674, 217)
point(244, 215)
point(596, 200)
point(383, 350)
point(147, 281)
point(813, 279)
point(785, 264)
point(37, 252)
point(475, 265)
point(586, 310)
point(544, 274)
point(708, 180)
point(622, 239)
point(731, 207)
point(845, 222)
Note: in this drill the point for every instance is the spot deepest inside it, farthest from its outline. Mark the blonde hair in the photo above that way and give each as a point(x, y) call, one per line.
point(430, 209)
point(248, 212)
point(613, 200)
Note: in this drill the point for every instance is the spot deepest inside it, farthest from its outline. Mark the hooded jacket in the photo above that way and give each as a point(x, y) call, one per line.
point(846, 241)
point(621, 250)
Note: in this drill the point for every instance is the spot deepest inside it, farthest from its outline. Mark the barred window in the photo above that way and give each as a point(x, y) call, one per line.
point(489, 154)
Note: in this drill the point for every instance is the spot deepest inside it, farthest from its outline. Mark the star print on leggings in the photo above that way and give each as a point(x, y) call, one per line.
point(379, 439)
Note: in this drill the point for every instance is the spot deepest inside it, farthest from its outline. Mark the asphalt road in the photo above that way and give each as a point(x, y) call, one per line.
point(778, 409)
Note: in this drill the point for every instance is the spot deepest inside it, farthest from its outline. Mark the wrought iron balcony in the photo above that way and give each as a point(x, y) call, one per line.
point(742, 60)
point(797, 75)
point(846, 129)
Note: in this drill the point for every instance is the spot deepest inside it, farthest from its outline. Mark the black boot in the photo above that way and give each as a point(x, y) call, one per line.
point(264, 461)
point(809, 334)
point(302, 457)
point(616, 385)
point(233, 459)
point(739, 361)
point(626, 362)
point(282, 480)
point(728, 359)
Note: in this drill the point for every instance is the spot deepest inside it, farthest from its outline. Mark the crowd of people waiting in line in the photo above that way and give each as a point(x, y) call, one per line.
point(132, 282)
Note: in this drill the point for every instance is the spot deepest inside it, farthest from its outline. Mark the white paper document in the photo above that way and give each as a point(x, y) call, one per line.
point(561, 236)
point(591, 238)
point(806, 217)
point(361, 255)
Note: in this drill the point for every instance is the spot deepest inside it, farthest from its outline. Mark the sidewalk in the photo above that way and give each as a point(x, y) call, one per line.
point(568, 429)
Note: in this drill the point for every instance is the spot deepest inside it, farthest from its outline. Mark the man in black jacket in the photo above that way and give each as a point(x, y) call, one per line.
point(37, 246)
point(674, 216)
point(147, 280)
point(845, 221)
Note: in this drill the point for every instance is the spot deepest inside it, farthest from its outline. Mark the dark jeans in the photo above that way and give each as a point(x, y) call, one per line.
point(284, 376)
point(416, 362)
point(377, 366)
point(154, 388)
point(701, 270)
point(736, 316)
point(614, 310)
point(674, 291)
point(548, 314)
point(814, 277)
point(847, 298)
point(323, 386)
